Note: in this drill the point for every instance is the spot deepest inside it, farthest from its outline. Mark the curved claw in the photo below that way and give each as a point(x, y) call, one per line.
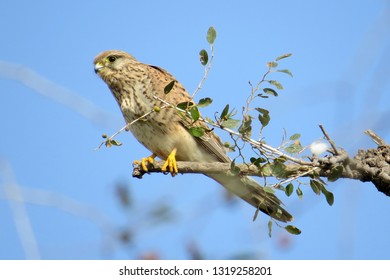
point(170, 163)
point(144, 162)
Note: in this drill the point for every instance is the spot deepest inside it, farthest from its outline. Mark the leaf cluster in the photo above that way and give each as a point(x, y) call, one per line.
point(110, 142)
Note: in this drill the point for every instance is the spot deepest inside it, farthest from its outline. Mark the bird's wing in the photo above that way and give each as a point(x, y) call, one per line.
point(210, 142)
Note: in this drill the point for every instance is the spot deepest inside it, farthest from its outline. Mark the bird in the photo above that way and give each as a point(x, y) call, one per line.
point(139, 89)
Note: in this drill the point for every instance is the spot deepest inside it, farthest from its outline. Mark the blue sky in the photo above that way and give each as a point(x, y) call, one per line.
point(69, 206)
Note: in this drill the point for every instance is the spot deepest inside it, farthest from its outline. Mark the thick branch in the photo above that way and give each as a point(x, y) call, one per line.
point(372, 165)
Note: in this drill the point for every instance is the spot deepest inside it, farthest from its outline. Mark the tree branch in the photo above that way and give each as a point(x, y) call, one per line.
point(335, 151)
point(371, 165)
point(379, 141)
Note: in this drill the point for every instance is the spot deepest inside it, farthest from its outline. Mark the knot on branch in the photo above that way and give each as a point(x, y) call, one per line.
point(374, 165)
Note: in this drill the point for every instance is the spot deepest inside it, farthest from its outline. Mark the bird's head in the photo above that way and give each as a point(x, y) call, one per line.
point(109, 62)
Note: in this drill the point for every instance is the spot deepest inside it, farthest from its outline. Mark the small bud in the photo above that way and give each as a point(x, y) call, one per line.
point(156, 109)
point(104, 136)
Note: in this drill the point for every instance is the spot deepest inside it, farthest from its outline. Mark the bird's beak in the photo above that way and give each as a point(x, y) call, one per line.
point(98, 67)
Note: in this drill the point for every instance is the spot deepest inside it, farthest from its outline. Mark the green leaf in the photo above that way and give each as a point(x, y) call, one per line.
point(196, 131)
point(270, 228)
point(269, 190)
point(266, 170)
point(115, 143)
point(328, 195)
point(299, 193)
point(276, 84)
point(264, 117)
point(224, 113)
point(256, 213)
point(293, 229)
point(228, 146)
point(280, 159)
point(294, 148)
point(211, 35)
point(246, 126)
point(112, 142)
point(289, 189)
point(316, 186)
point(194, 113)
point(261, 110)
point(278, 169)
point(231, 123)
point(185, 105)
point(209, 120)
point(257, 161)
point(283, 56)
point(288, 72)
point(272, 64)
point(270, 91)
point(205, 102)
point(329, 198)
point(204, 57)
point(335, 173)
point(169, 87)
point(234, 169)
point(295, 136)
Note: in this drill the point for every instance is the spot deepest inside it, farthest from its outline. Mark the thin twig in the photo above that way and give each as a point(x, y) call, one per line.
point(110, 138)
point(206, 72)
point(295, 177)
point(256, 89)
point(127, 126)
point(375, 137)
point(332, 144)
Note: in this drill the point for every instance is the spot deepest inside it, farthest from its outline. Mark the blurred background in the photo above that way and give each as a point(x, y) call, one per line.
point(60, 198)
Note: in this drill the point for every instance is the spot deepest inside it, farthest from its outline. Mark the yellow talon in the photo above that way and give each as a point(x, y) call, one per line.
point(144, 162)
point(171, 163)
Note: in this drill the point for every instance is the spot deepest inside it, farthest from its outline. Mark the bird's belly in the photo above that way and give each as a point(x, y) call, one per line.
point(162, 140)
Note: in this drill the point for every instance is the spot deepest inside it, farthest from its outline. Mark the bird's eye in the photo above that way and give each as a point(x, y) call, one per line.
point(112, 58)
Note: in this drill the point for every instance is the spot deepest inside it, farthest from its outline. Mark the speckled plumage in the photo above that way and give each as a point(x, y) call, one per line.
point(134, 86)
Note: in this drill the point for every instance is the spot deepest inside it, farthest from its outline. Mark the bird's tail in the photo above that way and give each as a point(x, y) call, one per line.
point(250, 191)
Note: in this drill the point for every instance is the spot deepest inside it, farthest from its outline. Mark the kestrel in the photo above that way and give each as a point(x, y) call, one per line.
point(164, 132)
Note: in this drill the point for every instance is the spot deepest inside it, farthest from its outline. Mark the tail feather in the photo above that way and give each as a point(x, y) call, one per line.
point(250, 191)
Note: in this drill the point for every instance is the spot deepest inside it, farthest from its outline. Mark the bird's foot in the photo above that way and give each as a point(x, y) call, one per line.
point(144, 162)
point(170, 164)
